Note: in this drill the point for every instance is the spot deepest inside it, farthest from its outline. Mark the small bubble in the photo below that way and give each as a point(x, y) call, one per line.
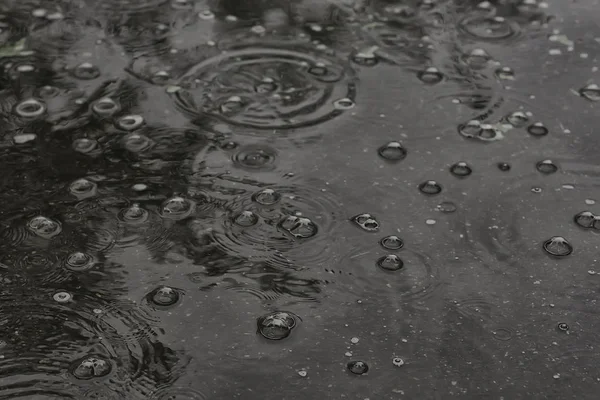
point(430, 188)
point(84, 145)
point(86, 71)
point(446, 207)
point(343, 104)
point(391, 242)
point(206, 15)
point(392, 151)
point(505, 73)
point(585, 219)
point(397, 361)
point(39, 13)
point(430, 221)
point(255, 157)
point(358, 367)
point(266, 197)
point(277, 325)
point(366, 221)
point(79, 261)
point(477, 58)
point(546, 167)
point(430, 76)
point(62, 297)
point(44, 227)
point(266, 86)
point(176, 208)
point(134, 214)
point(136, 143)
point(318, 69)
point(164, 296)
point(471, 129)
point(232, 105)
point(563, 327)
point(354, 340)
point(461, 169)
point(556, 376)
point(139, 187)
point(517, 119)
point(91, 367)
point(589, 202)
point(298, 227)
point(246, 219)
point(558, 246)
point(48, 91)
point(130, 122)
point(365, 58)
point(590, 92)
point(83, 188)
point(231, 18)
point(390, 262)
point(536, 190)
point(160, 78)
point(105, 107)
point(24, 138)
point(537, 129)
point(502, 166)
point(229, 145)
point(302, 373)
point(30, 108)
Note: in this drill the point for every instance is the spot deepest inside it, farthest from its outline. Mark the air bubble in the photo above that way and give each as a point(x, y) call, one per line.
point(343, 104)
point(84, 145)
point(164, 296)
point(517, 119)
point(44, 227)
point(86, 71)
point(391, 262)
point(397, 361)
point(206, 15)
point(391, 242)
point(79, 261)
point(430, 76)
point(255, 157)
point(365, 58)
point(446, 207)
point(546, 167)
point(366, 221)
point(83, 188)
point(232, 105)
point(266, 197)
point(558, 246)
point(130, 122)
point(105, 107)
point(176, 208)
point(136, 143)
point(277, 325)
point(430, 188)
point(392, 151)
point(502, 166)
point(461, 169)
point(62, 297)
point(134, 214)
point(590, 92)
point(30, 108)
point(246, 219)
point(91, 367)
point(267, 85)
point(585, 219)
point(506, 73)
point(358, 367)
point(298, 227)
point(478, 58)
point(537, 129)
point(563, 327)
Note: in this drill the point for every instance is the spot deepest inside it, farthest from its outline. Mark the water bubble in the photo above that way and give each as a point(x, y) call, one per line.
point(430, 76)
point(136, 143)
point(502, 166)
point(164, 296)
point(134, 214)
point(585, 219)
point(62, 297)
point(83, 188)
point(475, 129)
point(357, 367)
point(105, 107)
point(255, 157)
point(590, 92)
point(343, 104)
point(86, 71)
point(558, 246)
point(246, 219)
point(430, 188)
point(44, 227)
point(160, 78)
point(390, 262)
point(505, 73)
point(488, 28)
point(84, 145)
point(477, 58)
point(536, 190)
point(277, 325)
point(298, 227)
point(446, 207)
point(130, 122)
point(397, 361)
point(91, 367)
point(176, 208)
point(503, 334)
point(267, 85)
point(232, 105)
point(563, 327)
point(366, 221)
point(206, 15)
point(79, 261)
point(30, 108)
point(537, 129)
point(392, 151)
point(266, 197)
point(391, 242)
point(517, 119)
point(365, 58)
point(546, 167)
point(461, 169)
point(229, 145)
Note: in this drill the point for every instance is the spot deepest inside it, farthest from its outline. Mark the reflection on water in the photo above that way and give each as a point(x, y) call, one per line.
point(379, 199)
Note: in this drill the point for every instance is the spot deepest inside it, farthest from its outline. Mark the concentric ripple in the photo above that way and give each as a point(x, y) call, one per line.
point(266, 88)
point(486, 28)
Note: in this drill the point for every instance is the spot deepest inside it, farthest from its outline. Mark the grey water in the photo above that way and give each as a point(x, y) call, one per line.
point(299, 199)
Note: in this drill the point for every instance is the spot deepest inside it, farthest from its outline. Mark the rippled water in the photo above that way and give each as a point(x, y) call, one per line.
point(299, 199)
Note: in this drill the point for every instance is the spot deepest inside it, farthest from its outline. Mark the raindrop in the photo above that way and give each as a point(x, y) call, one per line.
point(471, 129)
point(83, 188)
point(266, 197)
point(517, 119)
point(30, 108)
point(590, 92)
point(343, 104)
point(537, 129)
point(206, 15)
point(505, 73)
point(392, 151)
point(430, 188)
point(79, 261)
point(246, 219)
point(84, 145)
point(585, 219)
point(430, 76)
point(232, 105)
point(105, 107)
point(298, 227)
point(277, 325)
point(255, 157)
point(391, 262)
point(391, 242)
point(136, 143)
point(164, 296)
point(461, 169)
point(563, 327)
point(130, 122)
point(397, 361)
point(86, 71)
point(502, 166)
point(176, 208)
point(160, 78)
point(546, 167)
point(366, 221)
point(91, 367)
point(477, 58)
point(358, 367)
point(44, 227)
point(558, 246)
point(62, 297)
point(133, 214)
point(446, 207)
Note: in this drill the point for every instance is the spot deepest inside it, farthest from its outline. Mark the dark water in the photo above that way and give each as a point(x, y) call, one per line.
point(255, 199)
